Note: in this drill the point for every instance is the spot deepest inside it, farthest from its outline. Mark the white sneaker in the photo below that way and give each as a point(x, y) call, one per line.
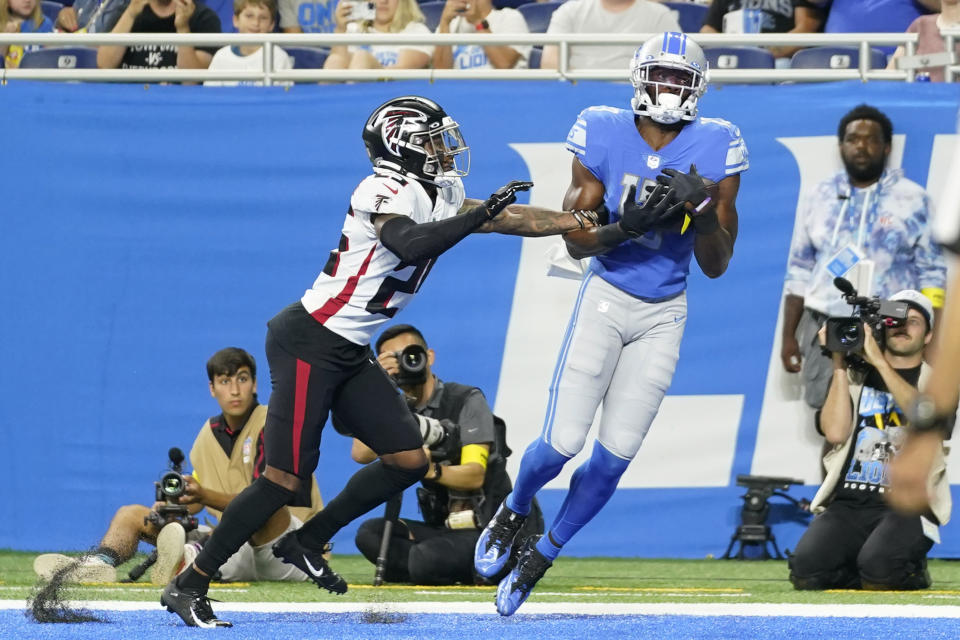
point(170, 544)
point(87, 569)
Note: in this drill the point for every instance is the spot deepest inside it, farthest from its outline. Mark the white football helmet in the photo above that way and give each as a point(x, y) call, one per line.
point(669, 74)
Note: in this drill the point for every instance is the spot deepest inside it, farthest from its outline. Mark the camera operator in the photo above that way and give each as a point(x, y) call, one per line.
point(467, 478)
point(227, 455)
point(856, 540)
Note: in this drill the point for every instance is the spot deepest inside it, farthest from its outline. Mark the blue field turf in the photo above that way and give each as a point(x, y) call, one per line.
point(151, 625)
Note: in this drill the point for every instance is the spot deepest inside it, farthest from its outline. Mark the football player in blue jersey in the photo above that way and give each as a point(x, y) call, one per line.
point(669, 179)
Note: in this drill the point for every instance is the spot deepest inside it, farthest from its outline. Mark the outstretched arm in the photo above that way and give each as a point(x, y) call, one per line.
point(527, 220)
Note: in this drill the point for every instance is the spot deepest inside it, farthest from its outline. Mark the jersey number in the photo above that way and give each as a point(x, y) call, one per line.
point(378, 303)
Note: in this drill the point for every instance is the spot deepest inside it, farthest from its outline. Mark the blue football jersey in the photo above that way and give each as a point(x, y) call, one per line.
point(605, 139)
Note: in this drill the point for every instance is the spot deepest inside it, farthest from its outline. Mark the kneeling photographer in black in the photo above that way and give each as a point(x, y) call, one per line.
point(465, 483)
point(856, 540)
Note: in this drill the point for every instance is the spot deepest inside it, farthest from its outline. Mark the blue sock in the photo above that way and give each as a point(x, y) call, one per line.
point(540, 464)
point(546, 546)
point(591, 487)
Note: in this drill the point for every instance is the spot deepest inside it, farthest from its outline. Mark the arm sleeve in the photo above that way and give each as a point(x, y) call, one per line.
point(412, 242)
point(803, 255)
point(562, 19)
point(931, 267)
point(204, 20)
point(585, 140)
point(476, 420)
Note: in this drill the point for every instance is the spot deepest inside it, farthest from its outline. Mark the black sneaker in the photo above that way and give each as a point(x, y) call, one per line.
point(289, 549)
point(493, 548)
point(192, 606)
point(516, 587)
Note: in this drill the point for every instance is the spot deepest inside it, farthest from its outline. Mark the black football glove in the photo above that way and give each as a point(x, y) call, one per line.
point(504, 196)
point(689, 187)
point(660, 211)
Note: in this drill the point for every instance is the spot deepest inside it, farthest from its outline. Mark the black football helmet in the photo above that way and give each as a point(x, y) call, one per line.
point(414, 136)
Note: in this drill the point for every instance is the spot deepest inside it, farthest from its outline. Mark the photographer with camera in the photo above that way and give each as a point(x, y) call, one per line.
point(227, 456)
point(856, 539)
point(467, 478)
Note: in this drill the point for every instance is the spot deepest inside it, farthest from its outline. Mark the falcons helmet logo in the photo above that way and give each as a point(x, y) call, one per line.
point(397, 125)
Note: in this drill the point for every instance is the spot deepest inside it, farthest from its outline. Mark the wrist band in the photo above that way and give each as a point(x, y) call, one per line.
point(437, 470)
point(703, 205)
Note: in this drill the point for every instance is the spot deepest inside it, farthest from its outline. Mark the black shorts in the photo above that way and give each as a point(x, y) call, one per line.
point(314, 371)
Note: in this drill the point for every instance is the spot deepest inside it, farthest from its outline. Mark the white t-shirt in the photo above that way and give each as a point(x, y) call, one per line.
point(313, 16)
point(501, 21)
point(589, 16)
point(388, 54)
point(230, 59)
point(364, 283)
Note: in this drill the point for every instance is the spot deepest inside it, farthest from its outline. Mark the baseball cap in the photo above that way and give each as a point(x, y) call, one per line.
point(918, 301)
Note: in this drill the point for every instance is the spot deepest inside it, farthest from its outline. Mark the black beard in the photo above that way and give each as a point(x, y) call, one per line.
point(869, 173)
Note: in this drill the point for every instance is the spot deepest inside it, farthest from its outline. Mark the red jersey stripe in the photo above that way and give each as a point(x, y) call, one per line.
point(333, 305)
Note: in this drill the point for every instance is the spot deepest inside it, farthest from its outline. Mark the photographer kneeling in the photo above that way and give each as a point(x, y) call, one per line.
point(857, 540)
point(467, 478)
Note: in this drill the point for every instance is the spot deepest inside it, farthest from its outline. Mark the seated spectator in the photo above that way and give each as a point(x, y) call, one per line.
point(390, 16)
point(21, 16)
point(874, 16)
point(930, 40)
point(605, 16)
point(161, 16)
point(307, 16)
point(479, 16)
point(249, 16)
point(796, 16)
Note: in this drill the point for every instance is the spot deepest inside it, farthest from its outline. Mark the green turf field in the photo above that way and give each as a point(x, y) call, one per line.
point(571, 579)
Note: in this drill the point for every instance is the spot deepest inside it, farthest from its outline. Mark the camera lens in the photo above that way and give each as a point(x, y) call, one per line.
point(171, 484)
point(849, 335)
point(413, 358)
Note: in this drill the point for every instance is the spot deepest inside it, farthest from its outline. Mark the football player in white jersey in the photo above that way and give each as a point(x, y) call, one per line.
point(400, 220)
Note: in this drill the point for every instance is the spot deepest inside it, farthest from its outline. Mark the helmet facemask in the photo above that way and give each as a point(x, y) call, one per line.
point(446, 155)
point(667, 93)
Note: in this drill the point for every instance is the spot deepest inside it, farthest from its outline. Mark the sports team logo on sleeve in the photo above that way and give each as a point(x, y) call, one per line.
point(396, 122)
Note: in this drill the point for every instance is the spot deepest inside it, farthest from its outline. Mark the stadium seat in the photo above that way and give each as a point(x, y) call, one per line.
point(508, 4)
point(307, 57)
point(432, 11)
point(835, 58)
point(60, 58)
point(51, 9)
point(535, 54)
point(689, 14)
point(739, 58)
point(537, 15)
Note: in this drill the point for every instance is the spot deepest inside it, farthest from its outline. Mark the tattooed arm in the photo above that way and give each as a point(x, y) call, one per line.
point(527, 220)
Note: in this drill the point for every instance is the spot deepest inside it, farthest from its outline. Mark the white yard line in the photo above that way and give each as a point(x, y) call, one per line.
point(580, 608)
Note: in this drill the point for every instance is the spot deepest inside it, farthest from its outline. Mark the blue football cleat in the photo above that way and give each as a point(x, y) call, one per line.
point(516, 587)
point(496, 540)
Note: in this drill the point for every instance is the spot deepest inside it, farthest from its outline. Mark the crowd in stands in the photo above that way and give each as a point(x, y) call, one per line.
point(925, 17)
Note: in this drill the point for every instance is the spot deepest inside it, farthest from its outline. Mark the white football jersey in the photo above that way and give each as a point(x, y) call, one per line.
point(364, 284)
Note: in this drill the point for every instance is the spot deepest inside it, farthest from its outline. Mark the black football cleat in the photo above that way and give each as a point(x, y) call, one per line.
point(289, 549)
point(192, 606)
point(493, 549)
point(514, 590)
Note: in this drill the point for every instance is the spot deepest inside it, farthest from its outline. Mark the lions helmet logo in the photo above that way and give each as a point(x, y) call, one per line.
point(394, 123)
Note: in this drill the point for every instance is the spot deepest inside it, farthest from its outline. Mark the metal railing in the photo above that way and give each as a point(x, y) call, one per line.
point(267, 75)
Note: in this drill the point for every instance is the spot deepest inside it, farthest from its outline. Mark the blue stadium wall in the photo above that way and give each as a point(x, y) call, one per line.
point(144, 227)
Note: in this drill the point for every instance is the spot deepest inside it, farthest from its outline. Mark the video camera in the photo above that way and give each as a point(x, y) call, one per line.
point(845, 333)
point(169, 488)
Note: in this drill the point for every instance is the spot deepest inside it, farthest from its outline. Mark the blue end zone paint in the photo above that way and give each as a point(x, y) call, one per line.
point(160, 625)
